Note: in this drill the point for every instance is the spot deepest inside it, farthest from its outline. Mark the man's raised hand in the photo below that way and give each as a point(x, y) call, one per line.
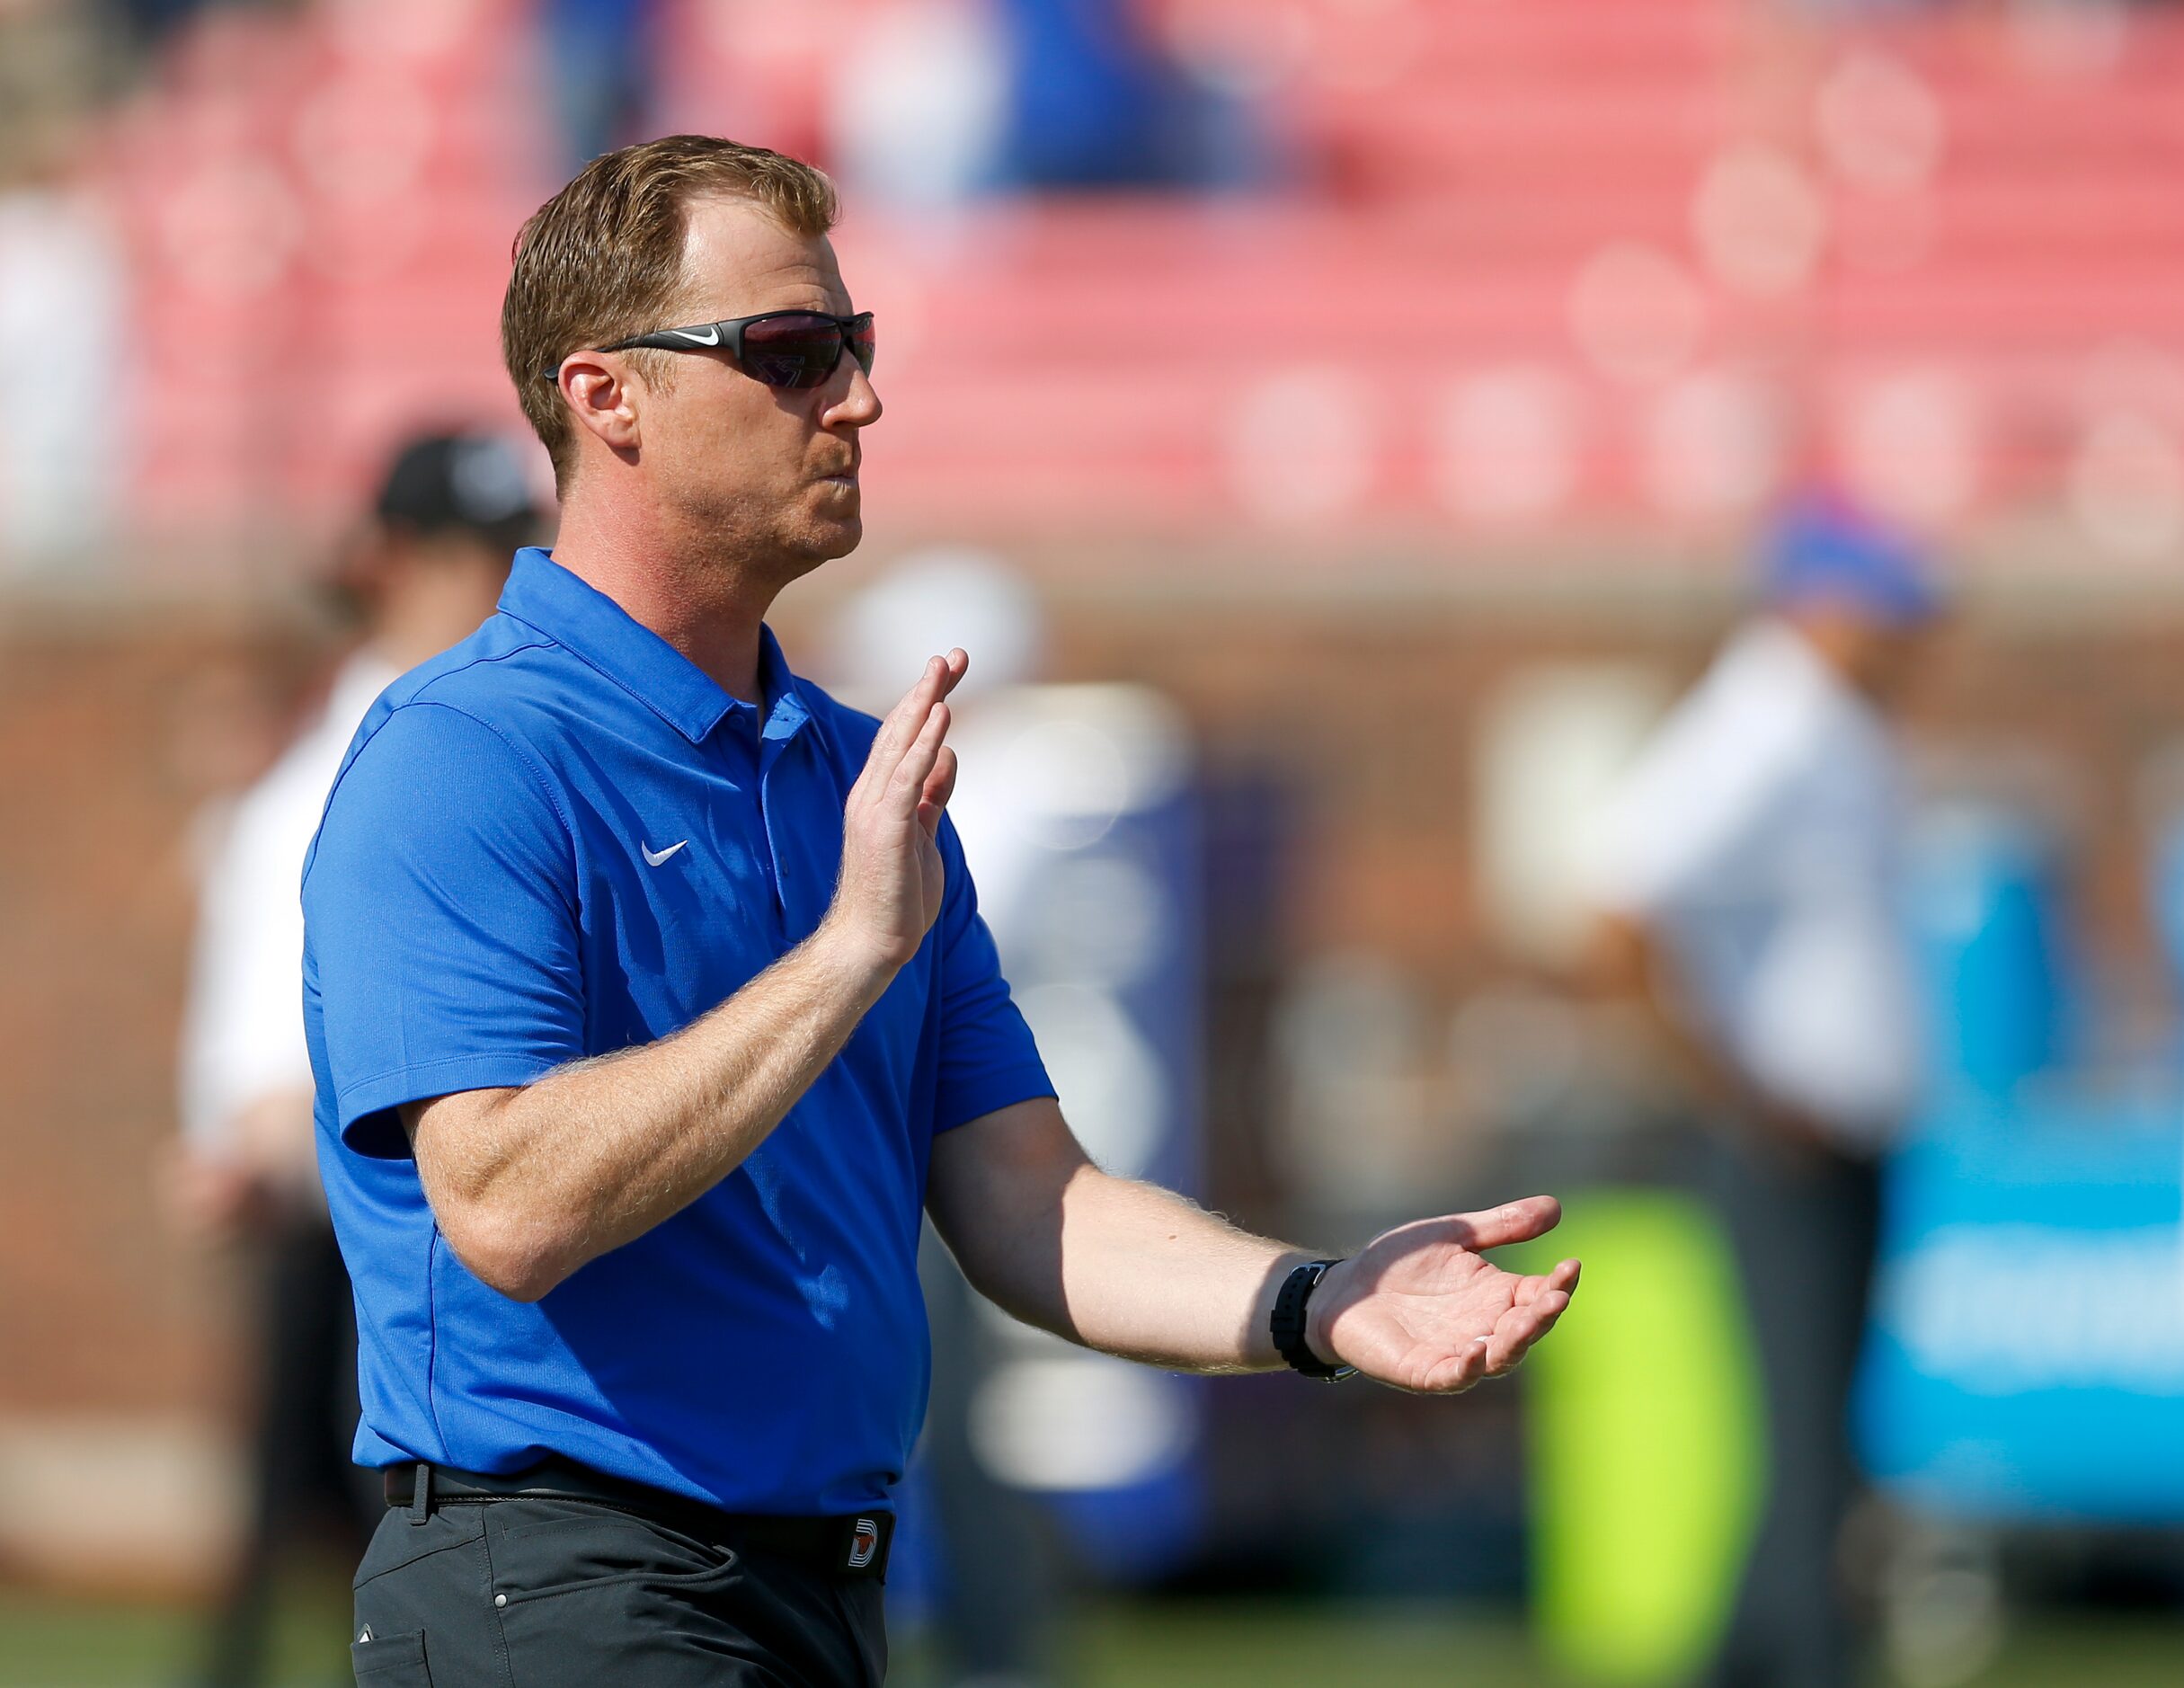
point(1419, 1308)
point(889, 894)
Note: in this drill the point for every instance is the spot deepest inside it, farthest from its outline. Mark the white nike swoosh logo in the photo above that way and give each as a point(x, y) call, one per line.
point(711, 337)
point(653, 859)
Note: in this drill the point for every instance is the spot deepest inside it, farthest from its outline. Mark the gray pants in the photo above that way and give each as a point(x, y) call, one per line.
point(570, 1594)
point(1804, 1223)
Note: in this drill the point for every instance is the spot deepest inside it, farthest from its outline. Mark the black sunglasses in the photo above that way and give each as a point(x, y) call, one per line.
point(779, 348)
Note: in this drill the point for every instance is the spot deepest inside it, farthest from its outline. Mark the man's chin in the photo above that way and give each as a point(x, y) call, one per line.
point(834, 519)
point(823, 541)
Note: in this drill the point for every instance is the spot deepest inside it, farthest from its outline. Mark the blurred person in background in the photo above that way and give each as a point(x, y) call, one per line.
point(147, 25)
point(934, 103)
point(422, 575)
point(63, 461)
point(916, 103)
point(1746, 889)
point(60, 472)
point(599, 55)
point(1094, 101)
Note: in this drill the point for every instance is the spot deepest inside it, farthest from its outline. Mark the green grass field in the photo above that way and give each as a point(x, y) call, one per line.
point(49, 1642)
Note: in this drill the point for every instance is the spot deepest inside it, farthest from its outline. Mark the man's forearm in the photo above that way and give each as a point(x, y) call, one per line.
point(1115, 1264)
point(1152, 1276)
point(530, 1183)
point(1138, 1272)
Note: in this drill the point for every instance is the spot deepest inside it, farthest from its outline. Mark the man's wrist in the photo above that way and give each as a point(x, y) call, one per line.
point(1296, 1323)
point(1320, 1311)
point(859, 965)
point(1263, 1351)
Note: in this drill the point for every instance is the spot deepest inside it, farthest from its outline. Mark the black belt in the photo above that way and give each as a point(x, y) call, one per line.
point(854, 1544)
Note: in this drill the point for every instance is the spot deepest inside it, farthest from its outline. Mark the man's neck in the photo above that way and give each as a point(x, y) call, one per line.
point(709, 608)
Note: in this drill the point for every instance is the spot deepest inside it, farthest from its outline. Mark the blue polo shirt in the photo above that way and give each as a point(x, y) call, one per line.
point(561, 839)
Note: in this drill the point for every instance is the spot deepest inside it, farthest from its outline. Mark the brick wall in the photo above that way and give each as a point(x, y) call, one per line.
point(115, 731)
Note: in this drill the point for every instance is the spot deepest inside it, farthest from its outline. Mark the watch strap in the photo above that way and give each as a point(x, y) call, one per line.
point(1287, 1324)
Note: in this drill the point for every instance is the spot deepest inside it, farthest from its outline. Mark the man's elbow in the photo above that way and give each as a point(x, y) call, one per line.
point(516, 1255)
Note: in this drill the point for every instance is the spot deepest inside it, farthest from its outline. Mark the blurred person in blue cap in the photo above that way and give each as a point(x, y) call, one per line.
point(1745, 888)
point(420, 573)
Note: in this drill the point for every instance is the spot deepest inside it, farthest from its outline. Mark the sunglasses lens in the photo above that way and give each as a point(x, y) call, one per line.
point(792, 351)
point(862, 343)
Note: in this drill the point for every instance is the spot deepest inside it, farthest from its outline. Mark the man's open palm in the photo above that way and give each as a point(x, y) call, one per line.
point(1419, 1308)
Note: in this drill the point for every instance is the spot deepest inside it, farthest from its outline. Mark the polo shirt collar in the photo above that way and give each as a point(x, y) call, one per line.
point(573, 613)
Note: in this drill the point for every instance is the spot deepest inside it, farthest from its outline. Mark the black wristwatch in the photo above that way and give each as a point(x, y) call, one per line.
point(1287, 1326)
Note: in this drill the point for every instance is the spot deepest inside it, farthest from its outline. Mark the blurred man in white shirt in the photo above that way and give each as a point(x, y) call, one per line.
point(1746, 890)
point(426, 570)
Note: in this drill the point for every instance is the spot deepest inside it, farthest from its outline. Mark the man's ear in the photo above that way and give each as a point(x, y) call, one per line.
point(605, 395)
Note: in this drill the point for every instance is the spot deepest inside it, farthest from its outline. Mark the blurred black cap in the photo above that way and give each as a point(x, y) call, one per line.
point(465, 482)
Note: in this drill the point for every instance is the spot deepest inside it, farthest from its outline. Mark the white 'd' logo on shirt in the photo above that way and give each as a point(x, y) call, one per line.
point(653, 858)
point(863, 1543)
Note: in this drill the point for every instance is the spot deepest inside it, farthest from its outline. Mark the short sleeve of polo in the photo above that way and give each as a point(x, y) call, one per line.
point(439, 907)
point(988, 1059)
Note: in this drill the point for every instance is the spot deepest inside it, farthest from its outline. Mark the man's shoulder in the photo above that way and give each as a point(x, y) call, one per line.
point(500, 668)
point(507, 678)
point(465, 739)
point(486, 708)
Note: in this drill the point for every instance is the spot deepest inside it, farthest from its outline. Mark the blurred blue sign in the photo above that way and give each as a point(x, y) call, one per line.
point(2027, 1354)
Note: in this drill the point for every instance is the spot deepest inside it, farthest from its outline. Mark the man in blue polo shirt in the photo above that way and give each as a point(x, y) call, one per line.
point(649, 1004)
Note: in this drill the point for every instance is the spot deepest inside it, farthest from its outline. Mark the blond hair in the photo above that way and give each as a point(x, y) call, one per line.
point(602, 259)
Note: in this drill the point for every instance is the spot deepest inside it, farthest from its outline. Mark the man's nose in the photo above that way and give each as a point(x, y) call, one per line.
point(859, 405)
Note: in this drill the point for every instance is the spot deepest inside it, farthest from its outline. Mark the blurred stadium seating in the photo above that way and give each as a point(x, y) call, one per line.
point(1567, 259)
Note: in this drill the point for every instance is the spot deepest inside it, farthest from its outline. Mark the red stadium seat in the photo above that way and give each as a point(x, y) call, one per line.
point(321, 205)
